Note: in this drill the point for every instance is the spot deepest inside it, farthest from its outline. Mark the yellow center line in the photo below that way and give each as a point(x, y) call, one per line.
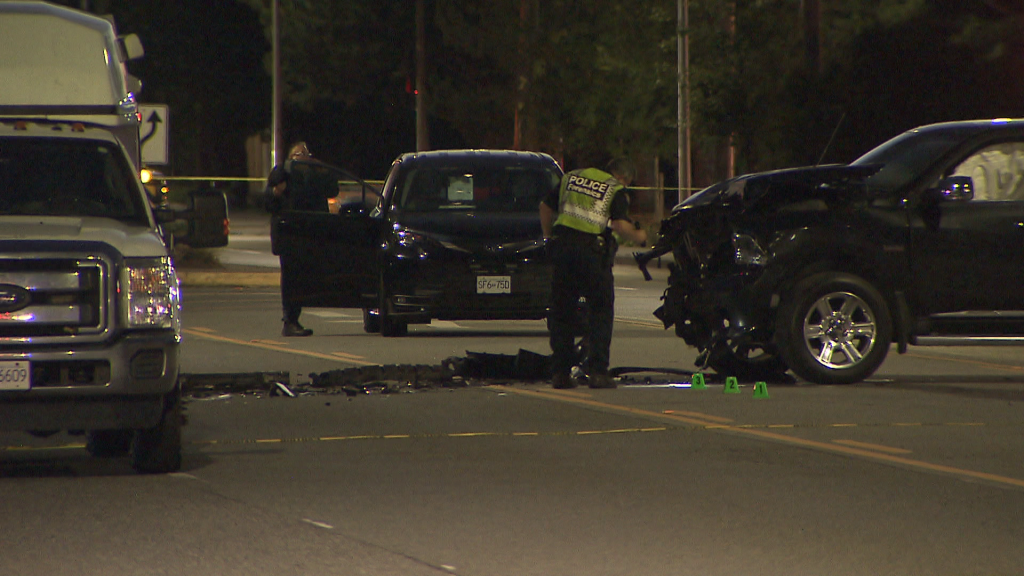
point(777, 437)
point(635, 322)
point(277, 347)
point(700, 415)
point(575, 393)
point(34, 448)
point(349, 356)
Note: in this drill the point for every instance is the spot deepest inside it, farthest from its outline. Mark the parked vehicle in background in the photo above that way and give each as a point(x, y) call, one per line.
point(89, 302)
point(818, 270)
point(454, 235)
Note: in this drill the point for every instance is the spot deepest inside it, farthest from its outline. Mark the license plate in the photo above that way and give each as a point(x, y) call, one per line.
point(493, 284)
point(15, 375)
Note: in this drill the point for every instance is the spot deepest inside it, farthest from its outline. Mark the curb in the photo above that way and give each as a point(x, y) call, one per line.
point(241, 279)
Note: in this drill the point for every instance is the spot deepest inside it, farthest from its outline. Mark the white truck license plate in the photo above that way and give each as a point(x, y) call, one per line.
point(493, 284)
point(15, 375)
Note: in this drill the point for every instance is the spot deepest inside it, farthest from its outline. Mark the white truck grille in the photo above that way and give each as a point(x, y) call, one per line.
point(53, 299)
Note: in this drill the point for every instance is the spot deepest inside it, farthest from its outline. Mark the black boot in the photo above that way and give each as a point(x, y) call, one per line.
point(295, 329)
point(563, 381)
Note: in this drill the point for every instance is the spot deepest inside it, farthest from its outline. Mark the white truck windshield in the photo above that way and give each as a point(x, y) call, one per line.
point(52, 177)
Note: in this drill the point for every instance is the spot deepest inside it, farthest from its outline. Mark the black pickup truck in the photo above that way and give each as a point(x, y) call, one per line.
point(820, 270)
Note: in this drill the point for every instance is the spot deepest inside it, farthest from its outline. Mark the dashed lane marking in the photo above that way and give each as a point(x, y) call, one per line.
point(870, 446)
point(300, 440)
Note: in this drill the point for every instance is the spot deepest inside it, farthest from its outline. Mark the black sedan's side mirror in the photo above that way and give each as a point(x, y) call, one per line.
point(206, 219)
point(954, 189)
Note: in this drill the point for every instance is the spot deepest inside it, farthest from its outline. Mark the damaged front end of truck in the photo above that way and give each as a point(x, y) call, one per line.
point(736, 247)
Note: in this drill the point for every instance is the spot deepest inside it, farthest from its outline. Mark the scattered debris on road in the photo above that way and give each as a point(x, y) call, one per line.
point(474, 369)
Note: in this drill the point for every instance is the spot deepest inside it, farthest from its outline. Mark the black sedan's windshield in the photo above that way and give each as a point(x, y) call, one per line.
point(51, 177)
point(481, 188)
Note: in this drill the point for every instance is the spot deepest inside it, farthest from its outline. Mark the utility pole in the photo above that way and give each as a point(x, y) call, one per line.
point(422, 134)
point(520, 104)
point(275, 105)
point(683, 97)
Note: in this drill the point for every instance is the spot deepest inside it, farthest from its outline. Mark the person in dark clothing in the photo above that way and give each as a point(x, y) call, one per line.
point(579, 217)
point(284, 192)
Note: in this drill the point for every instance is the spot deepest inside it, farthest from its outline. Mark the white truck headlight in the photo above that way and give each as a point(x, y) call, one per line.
point(747, 252)
point(150, 296)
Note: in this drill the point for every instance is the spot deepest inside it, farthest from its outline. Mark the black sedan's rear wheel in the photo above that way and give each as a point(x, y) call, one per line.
point(389, 326)
point(371, 320)
point(836, 329)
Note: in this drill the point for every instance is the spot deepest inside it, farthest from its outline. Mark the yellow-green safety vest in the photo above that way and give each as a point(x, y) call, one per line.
point(585, 200)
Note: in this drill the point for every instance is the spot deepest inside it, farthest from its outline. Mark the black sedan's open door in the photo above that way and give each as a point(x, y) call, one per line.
point(329, 236)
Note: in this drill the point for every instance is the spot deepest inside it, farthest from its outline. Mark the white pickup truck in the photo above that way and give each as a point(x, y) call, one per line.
point(89, 299)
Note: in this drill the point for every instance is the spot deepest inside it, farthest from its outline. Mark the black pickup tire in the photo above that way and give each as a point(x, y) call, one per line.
point(157, 450)
point(834, 329)
point(108, 443)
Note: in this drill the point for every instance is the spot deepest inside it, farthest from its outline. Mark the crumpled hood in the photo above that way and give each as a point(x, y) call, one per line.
point(799, 183)
point(130, 240)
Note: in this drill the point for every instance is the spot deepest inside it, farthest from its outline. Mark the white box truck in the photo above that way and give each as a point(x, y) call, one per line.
point(89, 298)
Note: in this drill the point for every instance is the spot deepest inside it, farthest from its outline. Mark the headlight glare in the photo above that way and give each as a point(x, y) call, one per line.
point(150, 295)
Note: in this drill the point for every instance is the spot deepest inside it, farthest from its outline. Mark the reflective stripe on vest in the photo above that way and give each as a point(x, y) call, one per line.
point(585, 200)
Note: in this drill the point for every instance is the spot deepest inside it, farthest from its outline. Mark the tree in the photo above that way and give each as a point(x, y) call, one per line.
point(582, 79)
point(574, 70)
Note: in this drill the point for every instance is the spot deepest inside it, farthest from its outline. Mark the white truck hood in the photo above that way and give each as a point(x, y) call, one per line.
point(130, 240)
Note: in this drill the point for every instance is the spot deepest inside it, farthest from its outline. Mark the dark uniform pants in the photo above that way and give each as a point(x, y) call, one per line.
point(290, 271)
point(581, 266)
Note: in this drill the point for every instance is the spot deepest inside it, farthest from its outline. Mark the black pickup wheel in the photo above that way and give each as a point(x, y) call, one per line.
point(835, 329)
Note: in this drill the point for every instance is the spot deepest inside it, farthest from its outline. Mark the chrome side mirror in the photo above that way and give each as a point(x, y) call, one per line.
point(955, 188)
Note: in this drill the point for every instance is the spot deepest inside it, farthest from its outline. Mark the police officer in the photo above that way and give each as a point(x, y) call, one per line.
point(280, 196)
point(578, 218)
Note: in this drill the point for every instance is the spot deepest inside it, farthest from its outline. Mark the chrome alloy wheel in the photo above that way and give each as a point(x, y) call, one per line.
point(840, 330)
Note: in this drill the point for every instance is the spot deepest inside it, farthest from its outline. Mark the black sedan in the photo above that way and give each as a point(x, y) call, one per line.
point(453, 235)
